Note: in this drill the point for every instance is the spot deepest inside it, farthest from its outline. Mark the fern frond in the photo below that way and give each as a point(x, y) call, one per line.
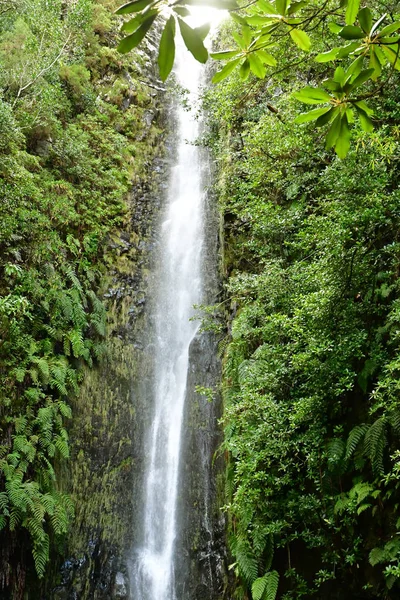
point(247, 562)
point(375, 442)
point(335, 450)
point(272, 585)
point(356, 436)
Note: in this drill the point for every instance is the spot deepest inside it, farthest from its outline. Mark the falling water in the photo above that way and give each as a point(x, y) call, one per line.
point(179, 287)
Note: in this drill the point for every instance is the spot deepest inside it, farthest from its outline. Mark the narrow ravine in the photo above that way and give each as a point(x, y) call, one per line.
point(178, 288)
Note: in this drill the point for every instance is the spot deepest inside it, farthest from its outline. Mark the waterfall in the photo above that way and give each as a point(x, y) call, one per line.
point(179, 287)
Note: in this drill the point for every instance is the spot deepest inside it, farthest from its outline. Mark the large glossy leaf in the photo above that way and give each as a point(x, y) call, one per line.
point(312, 115)
point(226, 70)
point(333, 132)
point(392, 57)
point(166, 54)
point(328, 116)
point(244, 70)
point(203, 30)
point(365, 19)
point(193, 41)
point(390, 29)
point(351, 11)
point(310, 95)
point(365, 121)
point(224, 54)
point(281, 6)
point(327, 56)
point(351, 32)
point(348, 49)
point(134, 40)
point(342, 145)
point(362, 105)
point(361, 78)
point(256, 66)
point(131, 7)
point(267, 7)
point(301, 39)
point(266, 58)
point(133, 24)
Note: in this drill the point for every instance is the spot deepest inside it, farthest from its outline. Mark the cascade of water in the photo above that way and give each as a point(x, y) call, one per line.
point(178, 289)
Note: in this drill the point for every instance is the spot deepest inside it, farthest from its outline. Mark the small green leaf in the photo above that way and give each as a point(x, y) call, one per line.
point(365, 121)
point(238, 19)
point(375, 64)
point(226, 70)
point(333, 132)
point(327, 56)
point(362, 78)
point(258, 20)
point(239, 40)
point(266, 58)
point(365, 19)
point(361, 104)
point(342, 145)
point(296, 6)
point(339, 75)
point(350, 115)
point(390, 29)
point(166, 54)
point(281, 6)
point(312, 115)
point(335, 27)
point(328, 116)
point(310, 95)
point(391, 56)
point(131, 7)
point(351, 32)
point(301, 39)
point(356, 66)
point(133, 40)
point(346, 50)
point(351, 11)
point(246, 34)
point(134, 24)
point(193, 41)
point(256, 66)
point(266, 6)
point(224, 54)
point(244, 70)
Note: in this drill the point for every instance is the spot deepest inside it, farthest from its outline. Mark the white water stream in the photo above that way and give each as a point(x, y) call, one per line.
point(179, 287)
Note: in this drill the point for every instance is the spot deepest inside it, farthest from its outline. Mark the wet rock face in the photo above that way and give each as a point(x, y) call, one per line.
point(202, 531)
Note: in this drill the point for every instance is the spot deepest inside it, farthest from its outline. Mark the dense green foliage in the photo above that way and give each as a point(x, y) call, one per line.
point(71, 121)
point(311, 366)
point(367, 34)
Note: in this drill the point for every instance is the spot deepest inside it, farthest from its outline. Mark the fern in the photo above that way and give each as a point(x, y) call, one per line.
point(394, 420)
point(356, 436)
point(247, 562)
point(272, 585)
point(374, 444)
point(258, 587)
point(336, 450)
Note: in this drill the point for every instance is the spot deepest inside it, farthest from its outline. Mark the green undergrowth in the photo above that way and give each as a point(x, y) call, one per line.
point(73, 138)
point(311, 255)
